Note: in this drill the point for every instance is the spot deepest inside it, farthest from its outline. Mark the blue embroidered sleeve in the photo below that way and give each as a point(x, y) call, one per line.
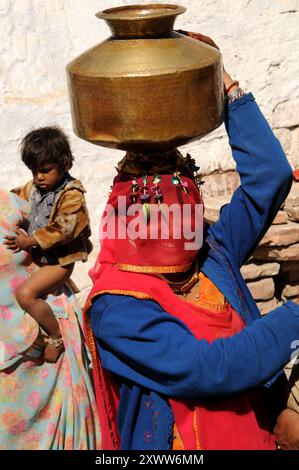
point(139, 341)
point(265, 176)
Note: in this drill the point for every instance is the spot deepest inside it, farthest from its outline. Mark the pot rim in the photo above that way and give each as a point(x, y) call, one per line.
point(162, 10)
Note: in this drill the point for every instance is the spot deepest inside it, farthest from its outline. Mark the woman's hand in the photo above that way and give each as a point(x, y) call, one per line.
point(207, 40)
point(199, 37)
point(287, 430)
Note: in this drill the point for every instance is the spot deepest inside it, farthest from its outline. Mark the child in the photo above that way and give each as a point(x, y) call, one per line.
point(58, 228)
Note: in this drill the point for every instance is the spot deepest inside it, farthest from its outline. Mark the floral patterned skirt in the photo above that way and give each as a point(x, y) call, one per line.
point(42, 405)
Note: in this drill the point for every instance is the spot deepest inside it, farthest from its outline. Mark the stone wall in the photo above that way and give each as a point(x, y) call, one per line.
point(258, 38)
point(272, 273)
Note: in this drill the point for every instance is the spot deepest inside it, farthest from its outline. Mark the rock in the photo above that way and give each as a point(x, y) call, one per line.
point(292, 213)
point(289, 253)
point(286, 114)
point(212, 206)
point(256, 270)
point(291, 290)
point(286, 6)
point(292, 154)
point(284, 136)
point(293, 198)
point(220, 185)
point(291, 276)
point(263, 289)
point(281, 218)
point(281, 235)
point(289, 266)
point(268, 306)
point(293, 299)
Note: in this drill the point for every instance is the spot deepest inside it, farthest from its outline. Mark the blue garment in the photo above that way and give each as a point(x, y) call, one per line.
point(154, 362)
point(42, 203)
point(41, 206)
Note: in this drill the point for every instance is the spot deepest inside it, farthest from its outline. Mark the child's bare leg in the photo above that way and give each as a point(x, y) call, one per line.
point(44, 281)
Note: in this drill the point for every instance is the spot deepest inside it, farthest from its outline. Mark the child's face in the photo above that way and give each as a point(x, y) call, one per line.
point(48, 176)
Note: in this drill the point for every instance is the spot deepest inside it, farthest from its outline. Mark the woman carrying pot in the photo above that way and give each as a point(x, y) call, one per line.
point(180, 352)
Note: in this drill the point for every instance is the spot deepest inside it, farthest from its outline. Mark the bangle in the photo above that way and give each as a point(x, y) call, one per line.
point(228, 86)
point(235, 95)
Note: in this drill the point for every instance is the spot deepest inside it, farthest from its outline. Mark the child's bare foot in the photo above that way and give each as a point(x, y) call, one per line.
point(54, 349)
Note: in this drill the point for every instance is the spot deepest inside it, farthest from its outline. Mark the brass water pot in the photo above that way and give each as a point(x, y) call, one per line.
point(146, 87)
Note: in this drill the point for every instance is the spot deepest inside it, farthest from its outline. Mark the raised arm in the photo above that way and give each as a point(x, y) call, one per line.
point(264, 171)
point(265, 176)
point(140, 342)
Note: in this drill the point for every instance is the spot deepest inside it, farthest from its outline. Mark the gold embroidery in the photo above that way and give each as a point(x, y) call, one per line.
point(138, 295)
point(90, 339)
point(182, 287)
point(93, 351)
point(213, 307)
point(154, 269)
point(198, 446)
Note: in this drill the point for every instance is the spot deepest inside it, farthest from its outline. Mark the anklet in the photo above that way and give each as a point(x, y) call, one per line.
point(55, 342)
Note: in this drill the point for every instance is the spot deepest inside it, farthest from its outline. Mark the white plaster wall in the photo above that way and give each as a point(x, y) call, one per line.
point(259, 40)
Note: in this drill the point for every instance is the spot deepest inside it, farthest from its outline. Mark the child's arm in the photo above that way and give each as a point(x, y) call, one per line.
point(19, 242)
point(24, 193)
point(70, 220)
